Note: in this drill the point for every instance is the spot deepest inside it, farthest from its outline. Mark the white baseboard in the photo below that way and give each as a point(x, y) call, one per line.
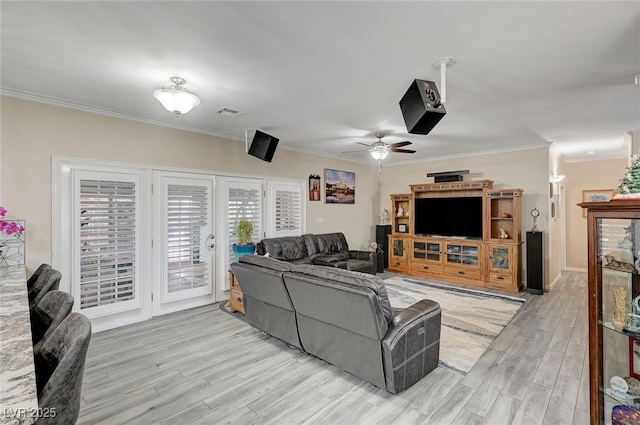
point(556, 280)
point(576, 269)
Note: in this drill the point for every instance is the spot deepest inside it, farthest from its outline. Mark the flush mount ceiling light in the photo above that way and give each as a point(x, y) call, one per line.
point(177, 99)
point(442, 64)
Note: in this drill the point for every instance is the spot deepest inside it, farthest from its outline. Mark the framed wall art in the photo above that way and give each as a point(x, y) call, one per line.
point(314, 187)
point(339, 187)
point(599, 195)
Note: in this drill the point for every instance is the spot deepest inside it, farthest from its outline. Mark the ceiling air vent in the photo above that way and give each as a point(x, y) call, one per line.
point(228, 112)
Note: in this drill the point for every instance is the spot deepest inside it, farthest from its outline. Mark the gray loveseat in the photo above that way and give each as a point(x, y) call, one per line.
point(342, 317)
point(327, 249)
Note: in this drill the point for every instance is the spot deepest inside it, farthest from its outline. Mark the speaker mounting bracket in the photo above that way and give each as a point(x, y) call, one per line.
point(442, 64)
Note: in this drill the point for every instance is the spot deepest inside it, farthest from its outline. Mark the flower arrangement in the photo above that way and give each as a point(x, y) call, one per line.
point(9, 227)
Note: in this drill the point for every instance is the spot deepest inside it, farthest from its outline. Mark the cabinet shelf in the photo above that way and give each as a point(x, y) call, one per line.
point(609, 325)
point(619, 270)
point(632, 402)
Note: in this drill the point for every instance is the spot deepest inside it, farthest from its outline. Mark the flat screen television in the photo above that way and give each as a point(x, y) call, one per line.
point(459, 217)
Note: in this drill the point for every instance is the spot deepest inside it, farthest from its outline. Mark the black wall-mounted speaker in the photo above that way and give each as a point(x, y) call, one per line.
point(263, 146)
point(421, 107)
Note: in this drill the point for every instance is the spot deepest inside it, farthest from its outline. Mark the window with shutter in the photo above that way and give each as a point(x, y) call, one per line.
point(286, 209)
point(108, 242)
point(244, 201)
point(187, 214)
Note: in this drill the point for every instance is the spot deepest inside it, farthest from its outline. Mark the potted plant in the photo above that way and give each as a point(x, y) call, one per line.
point(244, 228)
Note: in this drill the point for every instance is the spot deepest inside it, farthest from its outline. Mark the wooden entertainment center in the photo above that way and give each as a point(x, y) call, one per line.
point(491, 261)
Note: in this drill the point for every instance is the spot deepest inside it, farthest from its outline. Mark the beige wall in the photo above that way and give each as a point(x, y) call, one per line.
point(527, 170)
point(32, 133)
point(581, 176)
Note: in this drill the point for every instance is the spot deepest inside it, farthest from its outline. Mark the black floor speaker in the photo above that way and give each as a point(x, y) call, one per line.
point(382, 231)
point(535, 269)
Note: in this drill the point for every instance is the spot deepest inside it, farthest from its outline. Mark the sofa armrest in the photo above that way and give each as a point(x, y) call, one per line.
point(411, 347)
point(362, 255)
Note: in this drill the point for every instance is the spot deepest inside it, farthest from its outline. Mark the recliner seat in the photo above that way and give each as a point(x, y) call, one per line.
point(343, 317)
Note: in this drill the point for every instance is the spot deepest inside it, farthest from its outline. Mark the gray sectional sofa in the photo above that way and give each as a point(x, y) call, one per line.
point(342, 317)
point(327, 249)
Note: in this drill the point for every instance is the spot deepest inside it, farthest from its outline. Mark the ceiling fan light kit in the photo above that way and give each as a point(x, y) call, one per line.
point(176, 99)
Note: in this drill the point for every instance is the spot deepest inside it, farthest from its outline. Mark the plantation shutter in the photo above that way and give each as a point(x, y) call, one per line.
point(286, 209)
point(244, 201)
point(187, 214)
point(108, 242)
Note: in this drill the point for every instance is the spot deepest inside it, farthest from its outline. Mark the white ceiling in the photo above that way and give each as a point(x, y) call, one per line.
point(322, 76)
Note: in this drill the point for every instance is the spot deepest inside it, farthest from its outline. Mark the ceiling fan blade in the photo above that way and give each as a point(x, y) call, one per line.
point(363, 144)
point(359, 150)
point(400, 144)
point(402, 150)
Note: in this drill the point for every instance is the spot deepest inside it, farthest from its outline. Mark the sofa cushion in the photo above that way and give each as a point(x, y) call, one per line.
point(374, 283)
point(287, 248)
point(267, 263)
point(311, 242)
point(331, 243)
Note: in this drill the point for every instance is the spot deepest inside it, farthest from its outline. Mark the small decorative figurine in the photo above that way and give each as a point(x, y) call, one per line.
point(400, 211)
point(384, 216)
point(505, 215)
point(619, 307)
point(503, 234)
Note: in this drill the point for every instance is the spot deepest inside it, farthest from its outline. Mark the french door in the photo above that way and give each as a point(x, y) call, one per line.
point(183, 241)
point(106, 230)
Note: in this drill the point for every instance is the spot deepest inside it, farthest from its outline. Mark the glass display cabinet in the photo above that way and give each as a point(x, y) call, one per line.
point(614, 311)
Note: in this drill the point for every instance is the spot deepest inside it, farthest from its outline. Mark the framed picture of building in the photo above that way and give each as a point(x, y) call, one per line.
point(339, 187)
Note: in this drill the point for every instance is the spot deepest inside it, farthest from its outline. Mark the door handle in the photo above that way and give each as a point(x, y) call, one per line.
point(210, 244)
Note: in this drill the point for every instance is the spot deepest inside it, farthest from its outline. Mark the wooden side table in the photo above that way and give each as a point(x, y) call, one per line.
point(236, 301)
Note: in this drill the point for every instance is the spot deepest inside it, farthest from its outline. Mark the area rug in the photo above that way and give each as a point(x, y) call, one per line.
point(471, 319)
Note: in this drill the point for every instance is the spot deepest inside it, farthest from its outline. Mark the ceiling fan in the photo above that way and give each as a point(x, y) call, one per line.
point(379, 150)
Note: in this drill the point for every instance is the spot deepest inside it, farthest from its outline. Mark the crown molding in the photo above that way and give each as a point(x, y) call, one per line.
point(115, 114)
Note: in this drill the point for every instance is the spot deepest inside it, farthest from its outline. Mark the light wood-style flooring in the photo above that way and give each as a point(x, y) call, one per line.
point(203, 366)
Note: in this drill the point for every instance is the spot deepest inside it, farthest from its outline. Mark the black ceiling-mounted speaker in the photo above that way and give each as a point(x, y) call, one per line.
point(421, 107)
point(263, 146)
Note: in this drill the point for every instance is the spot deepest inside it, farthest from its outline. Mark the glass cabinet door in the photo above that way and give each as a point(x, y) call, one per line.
point(398, 248)
point(433, 251)
point(419, 250)
point(618, 242)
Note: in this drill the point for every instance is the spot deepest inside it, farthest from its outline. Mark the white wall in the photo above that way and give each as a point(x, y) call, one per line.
point(32, 133)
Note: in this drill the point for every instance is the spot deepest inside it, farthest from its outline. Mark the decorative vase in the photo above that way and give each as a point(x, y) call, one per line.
point(12, 248)
point(242, 250)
